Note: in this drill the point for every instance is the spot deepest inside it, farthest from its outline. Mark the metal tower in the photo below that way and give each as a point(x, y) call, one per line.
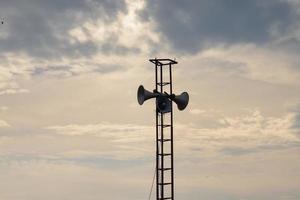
point(164, 124)
point(164, 134)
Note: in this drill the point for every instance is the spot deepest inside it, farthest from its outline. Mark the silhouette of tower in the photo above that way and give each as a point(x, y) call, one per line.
point(163, 93)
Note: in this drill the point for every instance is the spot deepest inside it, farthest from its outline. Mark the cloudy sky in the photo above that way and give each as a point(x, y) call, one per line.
point(70, 124)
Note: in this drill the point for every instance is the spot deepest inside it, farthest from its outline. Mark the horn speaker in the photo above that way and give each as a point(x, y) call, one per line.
point(181, 100)
point(143, 95)
point(163, 104)
point(163, 101)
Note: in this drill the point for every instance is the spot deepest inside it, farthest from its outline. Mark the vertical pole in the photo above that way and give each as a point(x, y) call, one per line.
point(157, 146)
point(172, 149)
point(162, 136)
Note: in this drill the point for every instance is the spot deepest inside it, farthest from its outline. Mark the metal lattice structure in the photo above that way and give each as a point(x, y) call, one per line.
point(164, 133)
point(163, 93)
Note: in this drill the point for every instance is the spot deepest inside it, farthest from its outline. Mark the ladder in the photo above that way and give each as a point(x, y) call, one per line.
point(164, 132)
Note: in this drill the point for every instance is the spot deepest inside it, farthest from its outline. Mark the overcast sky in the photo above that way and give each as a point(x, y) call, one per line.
point(70, 124)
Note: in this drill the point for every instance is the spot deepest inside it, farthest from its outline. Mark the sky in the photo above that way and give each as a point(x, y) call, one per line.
point(70, 124)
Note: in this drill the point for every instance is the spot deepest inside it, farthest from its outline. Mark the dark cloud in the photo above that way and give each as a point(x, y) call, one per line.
point(296, 123)
point(240, 151)
point(112, 48)
point(289, 45)
point(40, 28)
point(66, 70)
point(192, 25)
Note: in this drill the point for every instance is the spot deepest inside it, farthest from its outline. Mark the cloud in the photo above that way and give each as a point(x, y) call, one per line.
point(98, 129)
point(74, 123)
point(192, 26)
point(243, 148)
point(296, 123)
point(41, 29)
point(253, 62)
point(15, 68)
point(66, 180)
point(56, 30)
point(205, 113)
point(63, 39)
point(197, 111)
point(13, 91)
point(3, 108)
point(74, 69)
point(4, 124)
point(125, 35)
point(251, 133)
point(126, 140)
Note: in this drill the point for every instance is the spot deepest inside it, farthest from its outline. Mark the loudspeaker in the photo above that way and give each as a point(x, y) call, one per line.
point(143, 94)
point(163, 100)
point(163, 104)
point(181, 100)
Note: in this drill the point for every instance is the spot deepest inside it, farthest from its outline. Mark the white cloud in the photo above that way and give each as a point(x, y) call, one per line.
point(4, 124)
point(204, 112)
point(13, 91)
point(98, 129)
point(3, 108)
point(251, 133)
point(260, 63)
point(127, 30)
point(205, 158)
point(122, 141)
point(197, 111)
point(14, 68)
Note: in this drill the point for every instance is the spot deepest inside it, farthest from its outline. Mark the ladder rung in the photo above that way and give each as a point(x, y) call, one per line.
point(164, 183)
point(164, 154)
point(164, 140)
point(165, 198)
point(165, 125)
point(163, 83)
point(164, 169)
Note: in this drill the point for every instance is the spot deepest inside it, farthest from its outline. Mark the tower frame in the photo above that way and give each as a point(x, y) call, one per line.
point(164, 126)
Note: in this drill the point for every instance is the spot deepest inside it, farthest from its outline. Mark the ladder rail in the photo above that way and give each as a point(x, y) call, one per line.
point(164, 142)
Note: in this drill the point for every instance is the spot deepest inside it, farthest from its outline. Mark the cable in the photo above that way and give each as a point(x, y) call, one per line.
point(152, 184)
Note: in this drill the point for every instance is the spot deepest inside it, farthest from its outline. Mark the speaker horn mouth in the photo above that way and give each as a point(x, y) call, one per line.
point(181, 100)
point(141, 94)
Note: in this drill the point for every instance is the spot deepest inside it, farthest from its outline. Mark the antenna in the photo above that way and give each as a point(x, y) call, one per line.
point(164, 124)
